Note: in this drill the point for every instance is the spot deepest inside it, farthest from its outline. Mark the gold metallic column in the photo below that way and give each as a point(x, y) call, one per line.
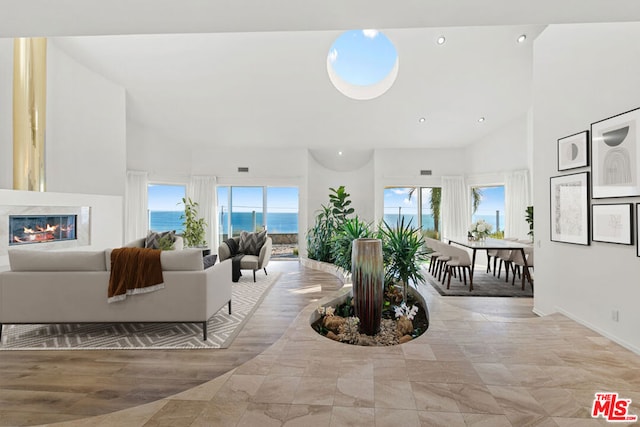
point(29, 118)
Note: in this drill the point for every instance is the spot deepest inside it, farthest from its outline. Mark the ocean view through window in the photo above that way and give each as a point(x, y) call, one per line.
point(490, 206)
point(253, 208)
point(420, 205)
point(165, 207)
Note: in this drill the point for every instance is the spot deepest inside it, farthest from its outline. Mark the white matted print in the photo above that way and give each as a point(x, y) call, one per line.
point(612, 223)
point(615, 156)
point(573, 151)
point(570, 208)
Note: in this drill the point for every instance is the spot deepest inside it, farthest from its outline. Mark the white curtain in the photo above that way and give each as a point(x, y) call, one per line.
point(202, 190)
point(136, 220)
point(516, 199)
point(454, 207)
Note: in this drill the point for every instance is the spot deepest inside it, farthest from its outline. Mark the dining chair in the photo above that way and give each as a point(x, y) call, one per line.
point(518, 262)
point(461, 261)
point(504, 257)
point(433, 256)
point(445, 256)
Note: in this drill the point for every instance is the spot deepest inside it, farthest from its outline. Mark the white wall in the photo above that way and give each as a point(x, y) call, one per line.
point(6, 113)
point(106, 214)
point(164, 160)
point(86, 129)
point(359, 183)
point(500, 151)
point(582, 74)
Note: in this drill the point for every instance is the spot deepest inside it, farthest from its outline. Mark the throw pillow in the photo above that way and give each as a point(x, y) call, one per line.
point(209, 260)
point(251, 243)
point(153, 239)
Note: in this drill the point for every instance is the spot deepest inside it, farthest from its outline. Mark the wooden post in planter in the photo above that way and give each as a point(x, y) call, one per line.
point(367, 276)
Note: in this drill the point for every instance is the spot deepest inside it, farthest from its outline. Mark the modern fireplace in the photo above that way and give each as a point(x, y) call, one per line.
point(28, 229)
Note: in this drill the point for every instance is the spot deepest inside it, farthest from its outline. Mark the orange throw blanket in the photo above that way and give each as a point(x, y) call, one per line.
point(134, 271)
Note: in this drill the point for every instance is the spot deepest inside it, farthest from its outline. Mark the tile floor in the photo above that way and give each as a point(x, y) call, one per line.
point(483, 362)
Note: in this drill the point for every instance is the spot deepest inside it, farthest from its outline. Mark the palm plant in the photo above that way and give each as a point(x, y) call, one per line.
point(403, 251)
point(350, 230)
point(476, 198)
point(434, 203)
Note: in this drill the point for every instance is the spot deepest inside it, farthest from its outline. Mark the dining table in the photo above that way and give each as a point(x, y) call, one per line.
point(489, 244)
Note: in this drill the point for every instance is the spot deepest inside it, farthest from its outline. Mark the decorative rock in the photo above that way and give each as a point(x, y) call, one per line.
point(333, 323)
point(332, 336)
point(405, 326)
point(405, 338)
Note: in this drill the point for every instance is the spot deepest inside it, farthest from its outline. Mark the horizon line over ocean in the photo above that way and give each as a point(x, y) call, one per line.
point(285, 222)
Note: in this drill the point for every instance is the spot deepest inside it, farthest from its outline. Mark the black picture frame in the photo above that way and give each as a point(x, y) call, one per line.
point(615, 156)
point(637, 229)
point(573, 151)
point(569, 208)
point(612, 223)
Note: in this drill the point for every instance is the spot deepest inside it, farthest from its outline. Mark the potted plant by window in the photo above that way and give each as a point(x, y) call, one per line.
point(194, 227)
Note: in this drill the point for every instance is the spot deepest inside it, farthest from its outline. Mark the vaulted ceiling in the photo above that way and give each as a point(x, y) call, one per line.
point(253, 73)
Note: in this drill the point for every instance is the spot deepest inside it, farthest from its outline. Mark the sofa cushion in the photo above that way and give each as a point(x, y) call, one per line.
point(153, 239)
point(186, 260)
point(38, 260)
point(251, 243)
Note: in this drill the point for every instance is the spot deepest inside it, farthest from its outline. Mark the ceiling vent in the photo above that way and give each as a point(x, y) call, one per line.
point(243, 169)
point(425, 172)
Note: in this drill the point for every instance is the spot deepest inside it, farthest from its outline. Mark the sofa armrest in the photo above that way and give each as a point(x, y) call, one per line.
point(138, 243)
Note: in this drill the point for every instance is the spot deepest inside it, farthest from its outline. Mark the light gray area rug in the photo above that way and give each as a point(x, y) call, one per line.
point(484, 285)
point(222, 328)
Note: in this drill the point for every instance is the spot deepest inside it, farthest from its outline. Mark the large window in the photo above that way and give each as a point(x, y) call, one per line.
point(254, 208)
point(488, 203)
point(420, 205)
point(165, 207)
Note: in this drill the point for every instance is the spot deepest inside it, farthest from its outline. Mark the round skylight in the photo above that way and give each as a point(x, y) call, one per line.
point(362, 64)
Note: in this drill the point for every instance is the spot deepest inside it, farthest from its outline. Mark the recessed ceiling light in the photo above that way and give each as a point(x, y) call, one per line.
point(339, 153)
point(522, 38)
point(441, 40)
point(421, 119)
point(481, 119)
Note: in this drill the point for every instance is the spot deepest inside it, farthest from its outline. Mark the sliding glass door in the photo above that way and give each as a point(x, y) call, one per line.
point(255, 208)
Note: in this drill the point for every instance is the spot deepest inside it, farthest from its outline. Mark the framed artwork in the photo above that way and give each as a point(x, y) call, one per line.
point(573, 151)
point(615, 156)
point(612, 223)
point(637, 229)
point(570, 208)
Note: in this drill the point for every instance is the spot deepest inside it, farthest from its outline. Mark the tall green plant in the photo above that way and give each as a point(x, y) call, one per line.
point(403, 250)
point(339, 199)
point(434, 202)
point(529, 218)
point(328, 220)
point(350, 230)
point(319, 237)
point(193, 226)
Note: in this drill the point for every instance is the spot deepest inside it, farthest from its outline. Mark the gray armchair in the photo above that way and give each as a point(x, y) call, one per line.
point(249, 262)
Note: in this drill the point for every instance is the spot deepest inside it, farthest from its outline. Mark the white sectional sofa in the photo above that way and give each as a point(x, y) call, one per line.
point(72, 286)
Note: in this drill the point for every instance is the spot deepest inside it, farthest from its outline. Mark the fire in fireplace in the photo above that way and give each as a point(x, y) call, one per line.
point(26, 229)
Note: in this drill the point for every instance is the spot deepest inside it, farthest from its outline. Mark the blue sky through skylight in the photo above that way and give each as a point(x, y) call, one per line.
point(362, 57)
